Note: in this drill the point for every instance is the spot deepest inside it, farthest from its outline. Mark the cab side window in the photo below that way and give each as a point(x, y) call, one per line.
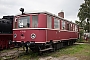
point(34, 21)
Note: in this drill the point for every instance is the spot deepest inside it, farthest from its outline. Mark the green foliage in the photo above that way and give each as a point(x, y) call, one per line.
point(74, 50)
point(84, 14)
point(30, 55)
point(80, 23)
point(81, 34)
point(80, 40)
point(84, 11)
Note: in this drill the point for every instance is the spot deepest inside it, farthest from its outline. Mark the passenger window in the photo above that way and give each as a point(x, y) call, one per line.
point(71, 26)
point(34, 21)
point(67, 26)
point(76, 28)
point(49, 21)
point(56, 23)
point(63, 25)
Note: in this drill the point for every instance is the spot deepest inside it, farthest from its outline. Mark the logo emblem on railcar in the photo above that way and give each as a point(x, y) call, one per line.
point(33, 36)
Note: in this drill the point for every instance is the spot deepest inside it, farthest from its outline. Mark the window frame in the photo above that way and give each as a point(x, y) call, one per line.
point(28, 20)
point(35, 26)
point(57, 22)
point(76, 28)
point(63, 24)
point(49, 23)
point(15, 22)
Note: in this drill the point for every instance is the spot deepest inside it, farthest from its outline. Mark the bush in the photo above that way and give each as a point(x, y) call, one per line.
point(81, 36)
point(80, 40)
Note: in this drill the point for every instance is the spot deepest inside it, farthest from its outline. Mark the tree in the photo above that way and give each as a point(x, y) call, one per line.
point(84, 11)
point(84, 14)
point(80, 23)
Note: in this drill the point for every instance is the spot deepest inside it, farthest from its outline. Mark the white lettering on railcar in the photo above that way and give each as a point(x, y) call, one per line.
point(23, 31)
point(22, 37)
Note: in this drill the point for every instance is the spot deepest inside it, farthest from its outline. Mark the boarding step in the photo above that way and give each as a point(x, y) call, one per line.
point(48, 44)
point(46, 49)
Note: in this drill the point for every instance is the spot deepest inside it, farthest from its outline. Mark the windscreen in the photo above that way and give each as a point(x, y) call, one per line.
point(24, 22)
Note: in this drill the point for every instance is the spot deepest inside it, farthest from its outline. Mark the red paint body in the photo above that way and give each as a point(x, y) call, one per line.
point(40, 35)
point(61, 35)
point(44, 34)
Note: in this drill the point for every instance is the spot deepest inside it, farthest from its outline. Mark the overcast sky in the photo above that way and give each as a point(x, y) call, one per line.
point(70, 7)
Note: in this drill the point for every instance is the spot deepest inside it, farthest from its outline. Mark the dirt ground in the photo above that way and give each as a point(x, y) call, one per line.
point(59, 58)
point(42, 58)
point(11, 54)
point(3, 55)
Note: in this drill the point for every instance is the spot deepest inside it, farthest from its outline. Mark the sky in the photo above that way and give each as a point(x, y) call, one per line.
point(69, 7)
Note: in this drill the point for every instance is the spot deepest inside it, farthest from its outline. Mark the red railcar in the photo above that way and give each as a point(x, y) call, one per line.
point(42, 31)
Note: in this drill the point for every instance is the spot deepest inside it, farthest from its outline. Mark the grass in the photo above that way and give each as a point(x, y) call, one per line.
point(73, 50)
point(29, 56)
point(82, 51)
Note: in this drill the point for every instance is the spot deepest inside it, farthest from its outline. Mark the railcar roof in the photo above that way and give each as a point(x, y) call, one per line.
point(45, 12)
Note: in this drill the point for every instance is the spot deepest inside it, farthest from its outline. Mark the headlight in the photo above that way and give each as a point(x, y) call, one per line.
point(33, 36)
point(15, 35)
point(28, 44)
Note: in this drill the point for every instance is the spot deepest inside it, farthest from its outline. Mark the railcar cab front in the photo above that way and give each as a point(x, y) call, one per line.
point(27, 25)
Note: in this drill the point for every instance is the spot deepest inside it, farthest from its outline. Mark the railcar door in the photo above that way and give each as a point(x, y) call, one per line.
point(15, 23)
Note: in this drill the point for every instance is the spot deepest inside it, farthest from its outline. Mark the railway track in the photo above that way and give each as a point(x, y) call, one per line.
point(12, 54)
